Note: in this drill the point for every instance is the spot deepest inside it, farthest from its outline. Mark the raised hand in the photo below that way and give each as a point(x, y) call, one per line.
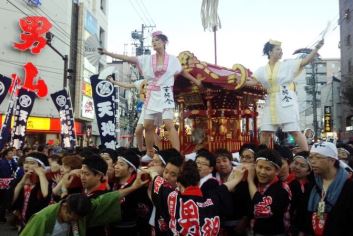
point(102, 51)
point(138, 183)
point(57, 178)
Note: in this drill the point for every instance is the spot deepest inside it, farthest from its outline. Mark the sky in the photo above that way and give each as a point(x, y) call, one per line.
point(246, 26)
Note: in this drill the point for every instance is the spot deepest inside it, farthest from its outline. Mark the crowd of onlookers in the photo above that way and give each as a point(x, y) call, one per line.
point(259, 191)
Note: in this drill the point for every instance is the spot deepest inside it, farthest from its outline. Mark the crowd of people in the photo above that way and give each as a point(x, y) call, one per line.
point(93, 191)
point(264, 191)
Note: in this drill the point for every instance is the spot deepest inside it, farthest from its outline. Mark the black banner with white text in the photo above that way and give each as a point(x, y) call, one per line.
point(63, 104)
point(5, 84)
point(105, 109)
point(22, 110)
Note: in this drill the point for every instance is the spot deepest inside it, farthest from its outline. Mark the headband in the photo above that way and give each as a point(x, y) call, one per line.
point(35, 159)
point(265, 159)
point(128, 162)
point(161, 158)
point(306, 160)
point(94, 170)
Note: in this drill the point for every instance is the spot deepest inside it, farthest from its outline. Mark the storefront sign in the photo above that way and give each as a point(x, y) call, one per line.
point(327, 119)
point(33, 36)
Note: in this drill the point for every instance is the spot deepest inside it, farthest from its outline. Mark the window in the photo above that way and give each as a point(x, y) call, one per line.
point(347, 14)
point(349, 121)
point(103, 5)
point(348, 40)
point(102, 37)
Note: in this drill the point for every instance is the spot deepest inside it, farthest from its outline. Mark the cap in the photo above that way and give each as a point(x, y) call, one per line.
point(156, 33)
point(275, 42)
point(326, 149)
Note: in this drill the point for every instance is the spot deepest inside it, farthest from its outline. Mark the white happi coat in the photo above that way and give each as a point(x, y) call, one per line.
point(163, 98)
point(281, 105)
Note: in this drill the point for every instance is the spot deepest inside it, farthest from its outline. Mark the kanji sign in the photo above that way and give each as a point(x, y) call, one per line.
point(327, 119)
point(104, 105)
point(31, 72)
point(34, 28)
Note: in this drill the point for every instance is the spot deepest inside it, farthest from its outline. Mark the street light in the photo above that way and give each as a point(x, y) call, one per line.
point(49, 36)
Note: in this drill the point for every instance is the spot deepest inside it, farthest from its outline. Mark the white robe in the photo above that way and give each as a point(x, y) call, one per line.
point(163, 99)
point(281, 105)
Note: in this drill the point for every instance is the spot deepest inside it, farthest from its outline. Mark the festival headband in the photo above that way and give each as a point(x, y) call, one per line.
point(156, 33)
point(128, 162)
point(306, 160)
point(266, 159)
point(94, 170)
point(161, 158)
point(35, 159)
point(275, 42)
point(250, 150)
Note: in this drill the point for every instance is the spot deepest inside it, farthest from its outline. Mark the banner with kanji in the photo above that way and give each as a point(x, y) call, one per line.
point(6, 126)
point(5, 84)
point(105, 108)
point(22, 110)
point(62, 102)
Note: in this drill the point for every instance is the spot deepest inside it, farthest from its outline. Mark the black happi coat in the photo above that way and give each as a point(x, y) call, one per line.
point(97, 230)
point(187, 213)
point(269, 207)
point(299, 216)
point(36, 201)
point(135, 211)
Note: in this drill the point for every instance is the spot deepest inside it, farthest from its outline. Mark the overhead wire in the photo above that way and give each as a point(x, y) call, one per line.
point(138, 14)
point(20, 62)
point(144, 11)
point(21, 65)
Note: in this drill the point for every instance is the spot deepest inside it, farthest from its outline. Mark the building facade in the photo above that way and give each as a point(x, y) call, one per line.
point(346, 45)
point(92, 27)
point(72, 24)
point(43, 124)
point(321, 77)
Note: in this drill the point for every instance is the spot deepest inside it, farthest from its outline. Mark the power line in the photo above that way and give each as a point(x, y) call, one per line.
point(20, 62)
point(144, 12)
point(21, 65)
point(143, 5)
point(139, 15)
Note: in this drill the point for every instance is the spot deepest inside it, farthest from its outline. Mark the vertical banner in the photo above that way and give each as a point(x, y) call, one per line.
point(5, 84)
point(22, 111)
point(6, 127)
point(327, 119)
point(105, 109)
point(63, 104)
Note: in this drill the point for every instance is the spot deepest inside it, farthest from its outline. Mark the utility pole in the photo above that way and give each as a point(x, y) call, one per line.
point(313, 84)
point(49, 36)
point(332, 109)
point(140, 36)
